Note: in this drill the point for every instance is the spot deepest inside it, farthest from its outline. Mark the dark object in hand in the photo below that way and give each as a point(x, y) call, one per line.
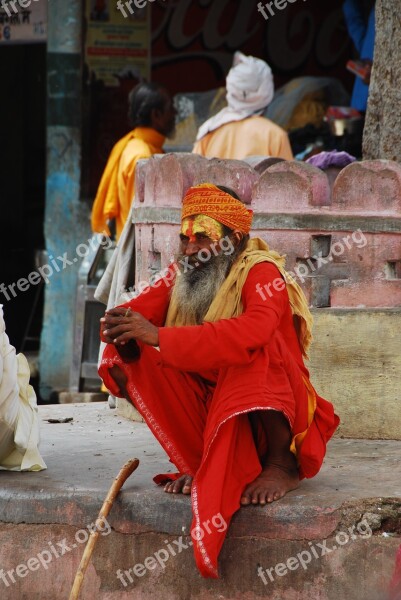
point(129, 352)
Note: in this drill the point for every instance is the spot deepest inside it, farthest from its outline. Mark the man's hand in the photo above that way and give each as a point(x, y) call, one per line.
point(120, 325)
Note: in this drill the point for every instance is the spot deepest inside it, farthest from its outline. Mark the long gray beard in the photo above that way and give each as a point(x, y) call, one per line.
point(195, 290)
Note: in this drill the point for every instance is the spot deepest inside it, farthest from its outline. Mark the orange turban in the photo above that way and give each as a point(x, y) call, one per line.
point(207, 199)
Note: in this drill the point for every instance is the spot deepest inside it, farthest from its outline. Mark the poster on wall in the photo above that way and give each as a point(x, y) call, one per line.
point(23, 21)
point(117, 41)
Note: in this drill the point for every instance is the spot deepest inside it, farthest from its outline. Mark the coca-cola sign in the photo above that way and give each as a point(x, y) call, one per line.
point(199, 37)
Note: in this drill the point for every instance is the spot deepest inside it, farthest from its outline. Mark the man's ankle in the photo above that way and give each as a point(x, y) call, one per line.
point(285, 462)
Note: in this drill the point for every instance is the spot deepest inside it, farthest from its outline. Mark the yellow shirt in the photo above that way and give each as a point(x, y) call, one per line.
point(254, 136)
point(117, 186)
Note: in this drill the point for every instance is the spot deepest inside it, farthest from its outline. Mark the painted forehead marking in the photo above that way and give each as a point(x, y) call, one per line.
point(202, 224)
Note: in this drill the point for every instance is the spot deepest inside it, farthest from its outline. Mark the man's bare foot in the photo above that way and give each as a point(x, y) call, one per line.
point(182, 485)
point(272, 484)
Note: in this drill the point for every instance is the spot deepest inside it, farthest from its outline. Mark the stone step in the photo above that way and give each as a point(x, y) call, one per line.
point(334, 538)
point(81, 397)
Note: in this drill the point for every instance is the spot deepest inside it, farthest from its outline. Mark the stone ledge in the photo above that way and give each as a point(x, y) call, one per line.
point(98, 442)
point(356, 364)
point(360, 479)
point(81, 397)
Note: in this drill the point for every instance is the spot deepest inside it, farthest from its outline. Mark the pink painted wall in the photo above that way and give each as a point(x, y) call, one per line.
point(344, 243)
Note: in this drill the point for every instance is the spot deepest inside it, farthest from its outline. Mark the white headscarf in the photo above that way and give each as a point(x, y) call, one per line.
point(250, 89)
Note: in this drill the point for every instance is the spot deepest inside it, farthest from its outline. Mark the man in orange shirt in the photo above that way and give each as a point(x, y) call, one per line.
point(152, 114)
point(239, 129)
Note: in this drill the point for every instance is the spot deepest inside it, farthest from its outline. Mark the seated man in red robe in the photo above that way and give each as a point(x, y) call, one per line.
point(212, 357)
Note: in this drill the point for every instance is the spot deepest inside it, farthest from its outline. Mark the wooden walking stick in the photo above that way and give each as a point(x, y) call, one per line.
point(119, 481)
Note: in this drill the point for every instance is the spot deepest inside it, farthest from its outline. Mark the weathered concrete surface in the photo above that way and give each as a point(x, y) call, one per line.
point(81, 397)
point(359, 483)
point(168, 176)
point(381, 134)
point(370, 186)
point(291, 186)
point(356, 363)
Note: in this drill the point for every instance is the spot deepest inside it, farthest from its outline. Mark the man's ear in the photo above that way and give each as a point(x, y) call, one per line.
point(237, 236)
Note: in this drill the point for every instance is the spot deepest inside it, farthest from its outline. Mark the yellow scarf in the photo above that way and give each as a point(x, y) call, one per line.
point(227, 302)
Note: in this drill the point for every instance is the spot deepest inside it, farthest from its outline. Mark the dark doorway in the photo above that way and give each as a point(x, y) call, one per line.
point(23, 176)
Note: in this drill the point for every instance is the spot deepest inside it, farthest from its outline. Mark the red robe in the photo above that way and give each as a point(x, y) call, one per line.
point(196, 392)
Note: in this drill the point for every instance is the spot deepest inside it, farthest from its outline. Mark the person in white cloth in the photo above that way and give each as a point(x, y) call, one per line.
point(19, 423)
point(239, 129)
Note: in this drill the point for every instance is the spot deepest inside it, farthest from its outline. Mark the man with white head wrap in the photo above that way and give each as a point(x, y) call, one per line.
point(239, 130)
point(19, 423)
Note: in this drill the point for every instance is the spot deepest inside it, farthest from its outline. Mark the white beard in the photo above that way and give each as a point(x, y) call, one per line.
point(195, 289)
